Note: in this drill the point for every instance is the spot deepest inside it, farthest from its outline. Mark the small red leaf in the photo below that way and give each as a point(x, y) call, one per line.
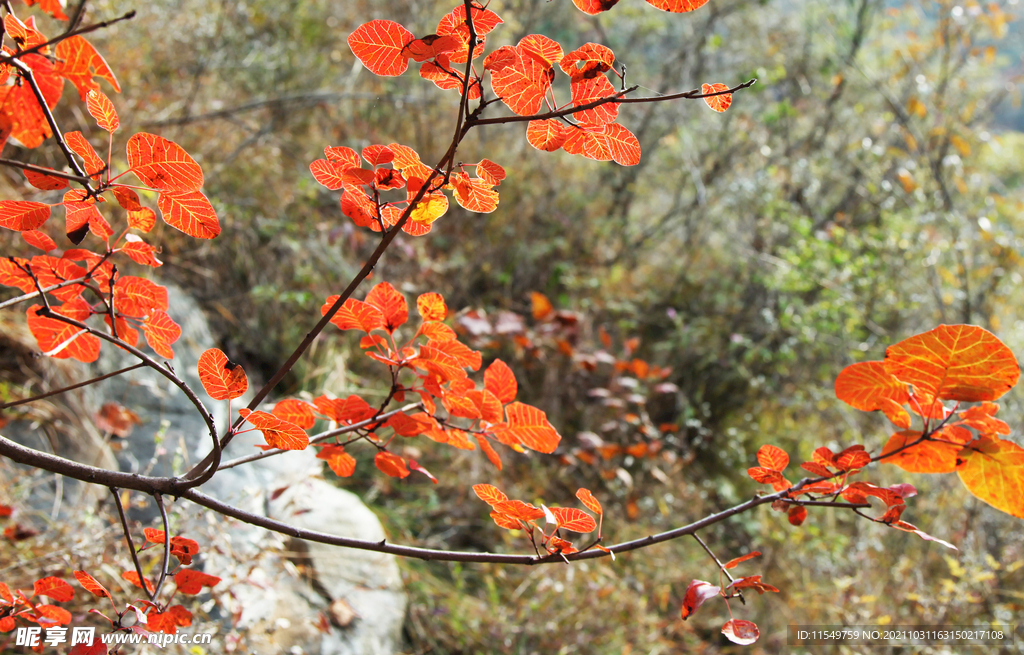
point(379, 45)
point(696, 594)
point(53, 588)
point(391, 464)
point(738, 631)
point(718, 102)
point(191, 582)
point(222, 378)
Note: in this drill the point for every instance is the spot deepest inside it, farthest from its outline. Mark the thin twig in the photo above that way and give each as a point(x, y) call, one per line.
point(721, 566)
point(70, 33)
point(15, 403)
point(42, 169)
point(131, 544)
point(167, 543)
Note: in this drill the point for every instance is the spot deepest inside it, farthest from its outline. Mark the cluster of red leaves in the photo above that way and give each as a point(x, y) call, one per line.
point(959, 363)
point(431, 364)
point(128, 304)
point(737, 631)
point(519, 515)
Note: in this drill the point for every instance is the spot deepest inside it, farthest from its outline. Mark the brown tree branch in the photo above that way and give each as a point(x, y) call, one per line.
point(23, 401)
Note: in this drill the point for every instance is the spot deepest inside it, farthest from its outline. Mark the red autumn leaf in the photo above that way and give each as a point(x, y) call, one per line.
point(954, 362)
point(406, 426)
point(191, 582)
point(430, 46)
point(50, 615)
point(488, 405)
point(993, 470)
point(752, 582)
point(738, 631)
point(408, 161)
point(344, 410)
point(517, 509)
point(588, 89)
point(379, 45)
point(490, 172)
point(222, 378)
point(501, 381)
point(484, 20)
point(520, 80)
point(184, 549)
point(295, 411)
point(354, 315)
point(438, 362)
point(102, 110)
point(772, 457)
point(161, 331)
point(24, 35)
point(168, 621)
point(163, 164)
point(190, 212)
point(432, 307)
point(414, 466)
point(529, 426)
point(475, 194)
point(53, 8)
point(588, 141)
point(38, 239)
point(816, 469)
point(764, 475)
point(140, 252)
point(588, 61)
point(153, 535)
point(133, 577)
point(489, 494)
point(574, 519)
point(61, 340)
point(391, 303)
point(697, 593)
point(797, 515)
point(343, 464)
point(278, 433)
point(81, 147)
point(488, 450)
point(328, 173)
point(981, 418)
point(342, 154)
point(543, 47)
point(79, 63)
point(852, 458)
point(53, 588)
point(868, 386)
point(22, 215)
point(376, 155)
point(547, 135)
point(678, 7)
point(926, 456)
point(588, 499)
point(138, 297)
point(505, 521)
point(462, 354)
point(461, 406)
point(90, 584)
point(719, 102)
point(45, 182)
point(731, 564)
point(907, 527)
point(391, 464)
point(623, 144)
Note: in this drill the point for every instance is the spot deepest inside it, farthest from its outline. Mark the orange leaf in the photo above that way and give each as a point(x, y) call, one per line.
point(868, 386)
point(697, 593)
point(772, 457)
point(278, 432)
point(53, 588)
point(475, 194)
point(191, 582)
point(764, 475)
point(295, 411)
point(169, 621)
point(91, 585)
point(623, 144)
point(543, 47)
point(797, 515)
point(154, 536)
point(501, 381)
point(140, 252)
point(391, 464)
point(163, 164)
point(752, 582)
point(81, 147)
point(488, 449)
point(926, 456)
point(737, 631)
point(133, 577)
point(588, 141)
point(720, 102)
point(354, 315)
point(190, 212)
point(137, 296)
point(79, 63)
point(22, 215)
point(517, 509)
point(520, 81)
point(993, 470)
point(343, 464)
point(489, 494)
point(588, 499)
point(60, 340)
point(391, 304)
point(431, 307)
point(184, 549)
point(852, 458)
point(731, 564)
point(45, 182)
point(574, 519)
point(344, 410)
point(328, 173)
point(541, 306)
point(530, 427)
point(222, 378)
point(547, 135)
point(161, 331)
point(588, 61)
point(102, 110)
point(982, 418)
point(954, 362)
point(379, 45)
point(47, 615)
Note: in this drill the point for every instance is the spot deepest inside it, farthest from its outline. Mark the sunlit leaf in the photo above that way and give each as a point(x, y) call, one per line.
point(91, 585)
point(926, 456)
point(547, 135)
point(190, 212)
point(163, 164)
point(738, 631)
point(489, 494)
point(868, 386)
point(278, 432)
point(391, 304)
point(391, 464)
point(679, 7)
point(79, 63)
point(222, 378)
point(102, 110)
point(161, 331)
point(520, 81)
point(697, 593)
point(718, 102)
point(529, 426)
point(61, 340)
point(574, 519)
point(772, 457)
point(343, 464)
point(501, 381)
point(295, 411)
point(191, 582)
point(53, 588)
point(379, 45)
point(993, 470)
point(733, 563)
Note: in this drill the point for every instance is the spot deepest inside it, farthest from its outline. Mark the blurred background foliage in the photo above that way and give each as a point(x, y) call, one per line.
point(868, 187)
